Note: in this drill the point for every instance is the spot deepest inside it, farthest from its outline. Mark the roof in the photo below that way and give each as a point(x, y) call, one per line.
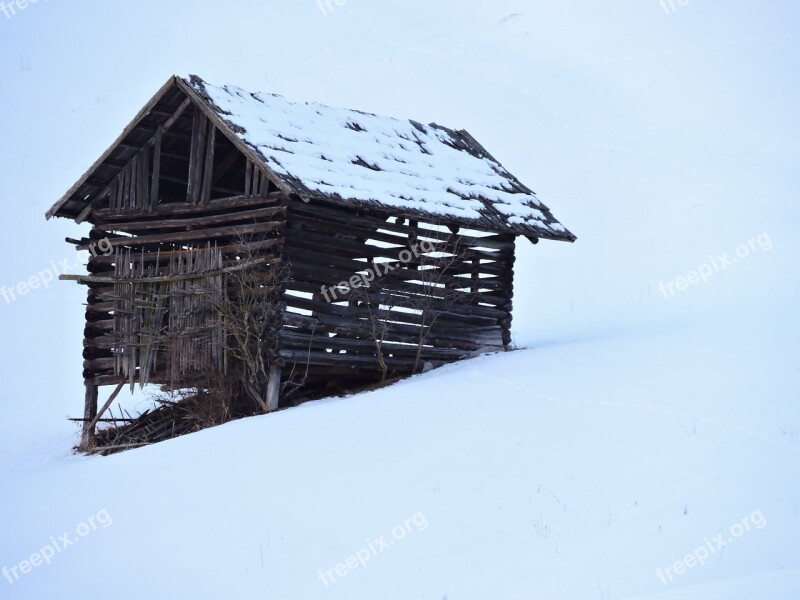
point(348, 157)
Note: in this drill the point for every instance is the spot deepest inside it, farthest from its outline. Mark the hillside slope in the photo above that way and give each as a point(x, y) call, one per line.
point(572, 470)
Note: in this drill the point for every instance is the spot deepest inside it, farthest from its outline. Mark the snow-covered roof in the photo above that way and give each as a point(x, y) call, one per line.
point(348, 155)
point(425, 172)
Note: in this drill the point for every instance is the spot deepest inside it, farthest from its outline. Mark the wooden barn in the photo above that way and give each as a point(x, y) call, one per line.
point(278, 250)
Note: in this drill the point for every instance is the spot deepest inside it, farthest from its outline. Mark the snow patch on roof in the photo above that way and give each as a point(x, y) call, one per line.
point(366, 157)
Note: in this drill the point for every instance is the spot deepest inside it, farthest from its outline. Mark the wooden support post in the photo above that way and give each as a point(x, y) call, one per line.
point(263, 189)
point(196, 153)
point(134, 199)
point(274, 388)
point(156, 177)
point(83, 214)
point(89, 413)
point(256, 181)
point(106, 406)
point(208, 168)
point(146, 159)
point(248, 178)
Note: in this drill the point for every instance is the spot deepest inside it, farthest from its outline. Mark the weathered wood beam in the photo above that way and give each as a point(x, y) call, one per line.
point(156, 176)
point(186, 236)
point(468, 338)
point(171, 277)
point(373, 293)
point(208, 168)
point(181, 208)
point(295, 340)
point(444, 318)
point(89, 413)
point(163, 256)
point(248, 178)
point(332, 269)
point(167, 125)
point(377, 220)
point(274, 388)
point(196, 152)
point(105, 407)
point(192, 222)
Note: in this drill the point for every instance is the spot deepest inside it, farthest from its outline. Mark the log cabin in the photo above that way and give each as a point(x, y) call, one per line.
point(293, 247)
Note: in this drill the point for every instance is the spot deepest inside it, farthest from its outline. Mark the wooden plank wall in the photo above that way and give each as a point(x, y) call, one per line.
point(155, 241)
point(467, 282)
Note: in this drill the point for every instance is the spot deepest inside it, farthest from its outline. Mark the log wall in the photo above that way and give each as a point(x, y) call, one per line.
point(160, 252)
point(439, 306)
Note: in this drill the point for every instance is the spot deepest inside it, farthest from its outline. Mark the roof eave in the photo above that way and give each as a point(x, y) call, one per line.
point(483, 224)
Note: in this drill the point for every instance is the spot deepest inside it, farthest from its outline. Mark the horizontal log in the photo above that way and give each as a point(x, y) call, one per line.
point(450, 277)
point(298, 341)
point(466, 338)
point(173, 209)
point(297, 241)
point(447, 318)
point(103, 379)
point(100, 307)
point(99, 364)
point(326, 228)
point(415, 296)
point(171, 277)
point(226, 217)
point(453, 314)
point(327, 358)
point(312, 256)
point(100, 262)
point(485, 298)
point(186, 236)
point(340, 246)
point(95, 328)
point(319, 209)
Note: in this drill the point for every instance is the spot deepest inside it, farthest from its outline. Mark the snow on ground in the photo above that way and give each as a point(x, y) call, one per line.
point(570, 470)
point(653, 412)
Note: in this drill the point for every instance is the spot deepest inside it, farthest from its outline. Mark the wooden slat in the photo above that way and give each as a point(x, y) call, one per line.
point(185, 236)
point(334, 214)
point(208, 168)
point(146, 158)
point(175, 116)
point(155, 181)
point(170, 277)
point(105, 407)
point(225, 217)
point(163, 256)
point(195, 154)
point(181, 208)
point(248, 178)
